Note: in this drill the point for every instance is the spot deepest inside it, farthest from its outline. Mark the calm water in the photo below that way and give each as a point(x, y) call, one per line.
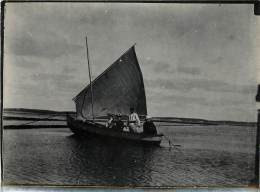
point(206, 156)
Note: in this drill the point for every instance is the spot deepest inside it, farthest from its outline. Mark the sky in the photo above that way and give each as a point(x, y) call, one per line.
point(197, 60)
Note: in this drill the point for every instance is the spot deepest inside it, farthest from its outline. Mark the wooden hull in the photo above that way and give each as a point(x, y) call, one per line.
point(89, 128)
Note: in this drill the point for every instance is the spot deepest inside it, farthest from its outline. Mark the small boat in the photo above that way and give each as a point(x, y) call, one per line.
point(114, 91)
point(90, 128)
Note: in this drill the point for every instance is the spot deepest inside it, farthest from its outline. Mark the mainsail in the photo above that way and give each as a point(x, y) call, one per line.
point(117, 89)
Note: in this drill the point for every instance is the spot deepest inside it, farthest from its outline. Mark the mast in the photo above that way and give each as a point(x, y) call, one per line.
point(91, 88)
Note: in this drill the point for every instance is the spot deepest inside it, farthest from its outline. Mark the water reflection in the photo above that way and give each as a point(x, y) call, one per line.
point(111, 162)
point(57, 157)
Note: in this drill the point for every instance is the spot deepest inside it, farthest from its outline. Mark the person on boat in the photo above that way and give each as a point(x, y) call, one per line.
point(119, 124)
point(110, 122)
point(149, 127)
point(133, 121)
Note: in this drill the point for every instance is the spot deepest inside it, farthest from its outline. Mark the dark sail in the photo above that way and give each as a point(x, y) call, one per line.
point(117, 89)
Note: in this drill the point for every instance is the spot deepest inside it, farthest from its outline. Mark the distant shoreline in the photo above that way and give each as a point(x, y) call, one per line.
point(30, 119)
point(34, 126)
point(22, 114)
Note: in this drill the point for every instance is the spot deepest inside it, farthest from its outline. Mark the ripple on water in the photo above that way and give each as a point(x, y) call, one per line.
point(54, 156)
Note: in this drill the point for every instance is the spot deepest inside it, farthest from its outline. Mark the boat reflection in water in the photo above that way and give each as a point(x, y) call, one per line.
point(110, 162)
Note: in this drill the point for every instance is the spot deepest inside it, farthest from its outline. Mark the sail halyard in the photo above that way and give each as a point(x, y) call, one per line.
point(119, 87)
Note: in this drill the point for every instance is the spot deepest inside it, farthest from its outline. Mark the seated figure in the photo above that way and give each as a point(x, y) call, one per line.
point(119, 124)
point(111, 122)
point(149, 127)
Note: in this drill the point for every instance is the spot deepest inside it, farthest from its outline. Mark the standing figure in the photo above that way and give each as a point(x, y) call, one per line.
point(134, 121)
point(149, 127)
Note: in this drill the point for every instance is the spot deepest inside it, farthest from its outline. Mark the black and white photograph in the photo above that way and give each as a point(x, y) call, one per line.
point(130, 94)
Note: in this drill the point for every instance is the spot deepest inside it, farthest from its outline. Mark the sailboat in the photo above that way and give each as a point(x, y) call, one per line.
point(114, 91)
